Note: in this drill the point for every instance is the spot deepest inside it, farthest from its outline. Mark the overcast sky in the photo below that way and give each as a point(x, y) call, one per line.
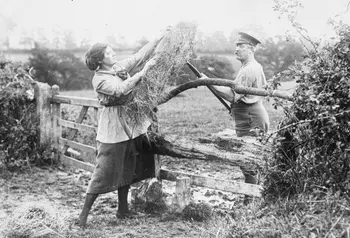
point(136, 18)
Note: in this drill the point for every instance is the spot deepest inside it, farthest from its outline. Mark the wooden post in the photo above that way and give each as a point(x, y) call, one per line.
point(56, 128)
point(157, 166)
point(182, 193)
point(43, 95)
point(95, 116)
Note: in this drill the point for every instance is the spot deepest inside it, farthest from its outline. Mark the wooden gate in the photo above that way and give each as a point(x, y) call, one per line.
point(49, 103)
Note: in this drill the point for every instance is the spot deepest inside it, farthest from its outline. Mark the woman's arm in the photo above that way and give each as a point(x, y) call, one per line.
point(119, 88)
point(136, 59)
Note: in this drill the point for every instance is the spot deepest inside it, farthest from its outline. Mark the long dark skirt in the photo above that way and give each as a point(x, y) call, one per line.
point(120, 164)
point(250, 119)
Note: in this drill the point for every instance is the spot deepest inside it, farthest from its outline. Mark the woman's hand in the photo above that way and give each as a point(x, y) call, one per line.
point(153, 61)
point(149, 64)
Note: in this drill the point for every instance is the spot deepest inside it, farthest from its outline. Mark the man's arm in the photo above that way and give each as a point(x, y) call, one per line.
point(223, 91)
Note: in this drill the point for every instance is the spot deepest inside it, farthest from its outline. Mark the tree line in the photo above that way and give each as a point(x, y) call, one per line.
point(64, 68)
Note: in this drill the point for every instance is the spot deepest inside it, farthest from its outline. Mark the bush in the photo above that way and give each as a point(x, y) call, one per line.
point(19, 135)
point(278, 54)
point(311, 151)
point(62, 68)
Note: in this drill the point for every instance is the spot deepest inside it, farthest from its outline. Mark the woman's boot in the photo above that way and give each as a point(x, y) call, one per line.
point(123, 209)
point(89, 200)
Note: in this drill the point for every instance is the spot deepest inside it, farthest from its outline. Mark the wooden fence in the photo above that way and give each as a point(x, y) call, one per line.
point(49, 103)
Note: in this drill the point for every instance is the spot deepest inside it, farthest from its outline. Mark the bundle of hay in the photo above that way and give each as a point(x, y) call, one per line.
point(171, 53)
point(33, 220)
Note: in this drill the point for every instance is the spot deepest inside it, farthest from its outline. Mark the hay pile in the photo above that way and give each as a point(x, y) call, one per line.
point(171, 53)
point(34, 220)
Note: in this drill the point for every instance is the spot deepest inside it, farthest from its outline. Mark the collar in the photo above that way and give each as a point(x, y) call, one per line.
point(110, 72)
point(248, 60)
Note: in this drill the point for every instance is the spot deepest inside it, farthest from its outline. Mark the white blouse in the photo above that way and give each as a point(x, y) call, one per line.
point(114, 126)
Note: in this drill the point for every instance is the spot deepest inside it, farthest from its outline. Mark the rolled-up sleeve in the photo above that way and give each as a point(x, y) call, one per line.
point(109, 86)
point(137, 58)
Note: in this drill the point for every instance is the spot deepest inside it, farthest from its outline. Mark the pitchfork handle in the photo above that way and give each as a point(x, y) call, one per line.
point(198, 74)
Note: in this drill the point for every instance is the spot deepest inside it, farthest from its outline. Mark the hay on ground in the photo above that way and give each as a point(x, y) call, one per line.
point(34, 220)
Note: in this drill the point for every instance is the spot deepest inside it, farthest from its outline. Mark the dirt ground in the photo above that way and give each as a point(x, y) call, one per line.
point(64, 189)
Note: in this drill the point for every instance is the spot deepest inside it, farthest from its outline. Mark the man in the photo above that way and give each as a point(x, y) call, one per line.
point(250, 115)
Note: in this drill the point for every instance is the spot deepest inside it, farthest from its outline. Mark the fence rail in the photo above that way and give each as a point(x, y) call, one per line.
point(79, 101)
point(49, 110)
point(77, 126)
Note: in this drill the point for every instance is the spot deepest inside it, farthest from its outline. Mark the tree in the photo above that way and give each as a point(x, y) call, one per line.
point(69, 40)
point(111, 40)
point(61, 68)
point(277, 54)
point(27, 42)
point(311, 148)
point(6, 26)
point(58, 40)
point(217, 42)
point(143, 41)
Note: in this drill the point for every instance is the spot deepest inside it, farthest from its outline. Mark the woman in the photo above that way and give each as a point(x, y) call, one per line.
point(121, 157)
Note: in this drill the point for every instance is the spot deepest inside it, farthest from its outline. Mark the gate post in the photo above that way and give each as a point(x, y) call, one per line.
point(42, 92)
point(56, 128)
point(182, 193)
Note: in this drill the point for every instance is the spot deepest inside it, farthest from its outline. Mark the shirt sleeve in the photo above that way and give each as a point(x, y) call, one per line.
point(136, 59)
point(255, 79)
point(113, 87)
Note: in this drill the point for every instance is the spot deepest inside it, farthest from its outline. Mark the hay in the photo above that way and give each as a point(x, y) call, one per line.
point(34, 220)
point(197, 211)
point(171, 53)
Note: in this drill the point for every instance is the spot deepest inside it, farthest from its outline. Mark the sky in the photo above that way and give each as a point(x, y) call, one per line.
point(134, 19)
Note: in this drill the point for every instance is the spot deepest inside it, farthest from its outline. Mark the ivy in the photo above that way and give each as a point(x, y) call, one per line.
point(19, 135)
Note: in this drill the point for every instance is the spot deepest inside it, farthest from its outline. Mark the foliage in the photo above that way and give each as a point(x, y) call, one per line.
point(216, 42)
point(9, 71)
point(312, 145)
point(278, 54)
point(62, 68)
point(290, 9)
point(19, 135)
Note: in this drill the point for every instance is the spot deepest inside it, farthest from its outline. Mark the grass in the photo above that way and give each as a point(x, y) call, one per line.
point(197, 113)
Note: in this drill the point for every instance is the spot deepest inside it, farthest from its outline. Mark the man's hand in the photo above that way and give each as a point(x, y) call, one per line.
point(203, 76)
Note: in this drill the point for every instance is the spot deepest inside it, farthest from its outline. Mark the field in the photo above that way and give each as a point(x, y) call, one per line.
point(195, 113)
